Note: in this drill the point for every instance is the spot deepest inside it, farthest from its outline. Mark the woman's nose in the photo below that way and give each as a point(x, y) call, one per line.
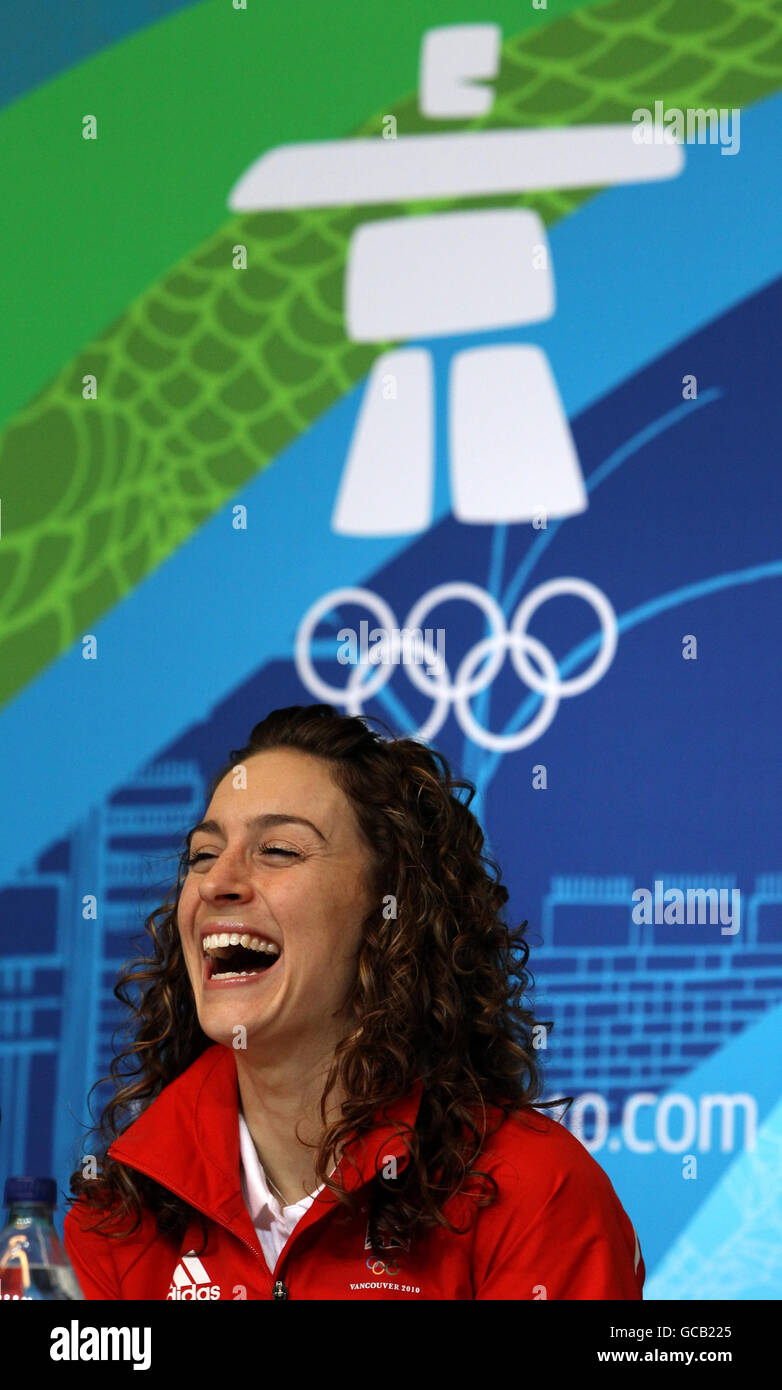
point(228, 876)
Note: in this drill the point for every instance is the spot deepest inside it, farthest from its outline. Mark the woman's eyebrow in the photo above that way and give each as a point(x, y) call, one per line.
point(270, 818)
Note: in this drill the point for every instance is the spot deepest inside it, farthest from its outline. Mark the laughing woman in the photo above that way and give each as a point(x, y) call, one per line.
point(334, 1090)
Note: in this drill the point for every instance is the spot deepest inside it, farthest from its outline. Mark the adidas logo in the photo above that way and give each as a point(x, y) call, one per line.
point(191, 1281)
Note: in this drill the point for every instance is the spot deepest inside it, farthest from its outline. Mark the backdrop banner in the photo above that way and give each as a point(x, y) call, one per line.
point(422, 361)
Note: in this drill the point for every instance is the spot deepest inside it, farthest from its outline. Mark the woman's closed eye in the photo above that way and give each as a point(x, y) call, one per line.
point(200, 855)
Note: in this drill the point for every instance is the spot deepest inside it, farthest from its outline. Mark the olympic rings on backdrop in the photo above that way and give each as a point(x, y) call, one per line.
point(437, 683)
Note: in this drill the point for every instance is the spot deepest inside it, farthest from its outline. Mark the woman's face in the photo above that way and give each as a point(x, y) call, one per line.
point(262, 872)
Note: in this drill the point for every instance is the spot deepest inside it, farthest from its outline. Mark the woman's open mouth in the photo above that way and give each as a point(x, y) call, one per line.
point(228, 962)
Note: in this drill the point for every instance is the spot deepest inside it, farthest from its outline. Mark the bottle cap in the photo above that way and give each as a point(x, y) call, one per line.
point(30, 1190)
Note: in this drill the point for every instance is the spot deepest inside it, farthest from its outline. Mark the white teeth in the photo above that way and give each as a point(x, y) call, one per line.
point(252, 943)
point(234, 974)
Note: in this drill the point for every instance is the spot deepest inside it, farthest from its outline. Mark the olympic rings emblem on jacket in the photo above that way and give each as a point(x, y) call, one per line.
point(436, 682)
point(382, 1267)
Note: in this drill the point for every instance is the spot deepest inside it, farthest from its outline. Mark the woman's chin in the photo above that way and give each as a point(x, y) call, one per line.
point(233, 1022)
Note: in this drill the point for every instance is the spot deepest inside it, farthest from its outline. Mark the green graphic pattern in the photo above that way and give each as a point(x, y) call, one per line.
point(213, 371)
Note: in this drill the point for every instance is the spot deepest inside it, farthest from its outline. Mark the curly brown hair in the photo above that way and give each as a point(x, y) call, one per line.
point(438, 991)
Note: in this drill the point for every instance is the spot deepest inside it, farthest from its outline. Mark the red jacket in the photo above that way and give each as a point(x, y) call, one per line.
point(557, 1229)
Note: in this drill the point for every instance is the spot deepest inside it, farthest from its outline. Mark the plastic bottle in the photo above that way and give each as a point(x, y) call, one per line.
point(33, 1262)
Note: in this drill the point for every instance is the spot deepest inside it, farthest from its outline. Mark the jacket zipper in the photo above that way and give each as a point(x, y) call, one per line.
point(279, 1288)
point(278, 1285)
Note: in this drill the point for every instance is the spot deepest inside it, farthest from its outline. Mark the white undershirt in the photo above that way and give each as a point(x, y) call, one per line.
point(273, 1223)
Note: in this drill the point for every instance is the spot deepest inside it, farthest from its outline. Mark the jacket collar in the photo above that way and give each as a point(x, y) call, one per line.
point(188, 1141)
